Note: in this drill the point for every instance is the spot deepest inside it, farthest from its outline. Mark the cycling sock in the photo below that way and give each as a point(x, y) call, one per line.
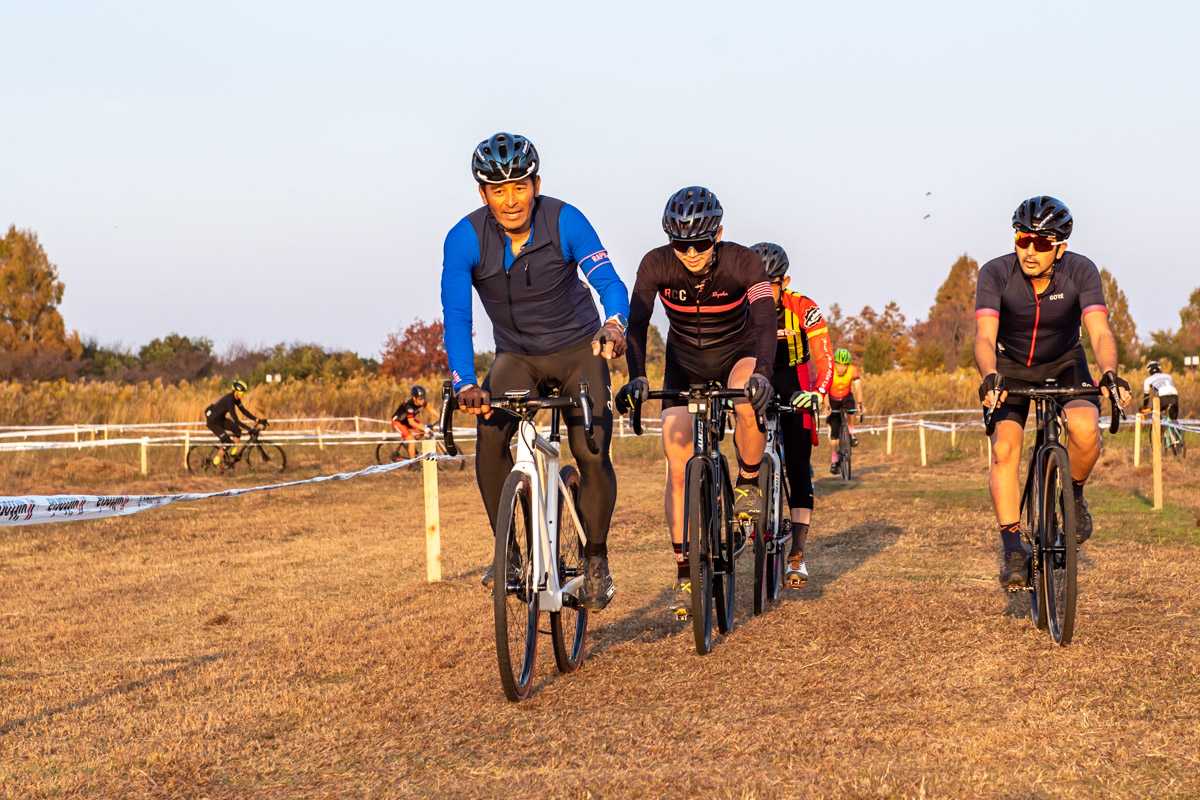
point(747, 473)
point(1011, 536)
point(681, 562)
point(1077, 487)
point(799, 530)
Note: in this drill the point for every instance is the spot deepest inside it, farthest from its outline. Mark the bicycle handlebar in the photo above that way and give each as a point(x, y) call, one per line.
point(522, 406)
point(1116, 412)
point(695, 393)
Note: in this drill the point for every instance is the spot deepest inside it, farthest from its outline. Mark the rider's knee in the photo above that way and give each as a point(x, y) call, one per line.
point(1005, 452)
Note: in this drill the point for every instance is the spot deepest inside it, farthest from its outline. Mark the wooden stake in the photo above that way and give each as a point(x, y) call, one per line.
point(145, 447)
point(953, 432)
point(356, 430)
point(889, 447)
point(433, 535)
point(187, 438)
point(1137, 440)
point(320, 441)
point(921, 429)
point(1156, 448)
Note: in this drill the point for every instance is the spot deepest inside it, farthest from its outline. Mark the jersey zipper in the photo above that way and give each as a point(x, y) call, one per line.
point(1037, 317)
point(508, 287)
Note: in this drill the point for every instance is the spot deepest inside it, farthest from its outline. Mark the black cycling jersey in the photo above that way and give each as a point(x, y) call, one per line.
point(730, 303)
point(407, 413)
point(224, 407)
point(1038, 329)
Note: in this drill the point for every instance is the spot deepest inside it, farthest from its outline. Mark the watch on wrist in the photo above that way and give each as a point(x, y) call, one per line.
point(620, 320)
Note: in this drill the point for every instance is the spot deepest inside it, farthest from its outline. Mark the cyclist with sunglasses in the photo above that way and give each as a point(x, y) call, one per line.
point(523, 253)
point(802, 344)
point(1029, 306)
point(721, 328)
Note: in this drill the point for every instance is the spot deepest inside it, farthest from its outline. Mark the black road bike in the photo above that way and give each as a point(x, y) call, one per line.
point(773, 530)
point(1048, 507)
point(258, 456)
point(713, 537)
point(845, 467)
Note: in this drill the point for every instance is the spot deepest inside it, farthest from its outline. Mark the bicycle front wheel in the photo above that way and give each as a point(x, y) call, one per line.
point(725, 534)
point(698, 513)
point(766, 538)
point(263, 457)
point(387, 453)
point(1030, 531)
point(515, 594)
point(568, 627)
point(1059, 546)
point(844, 451)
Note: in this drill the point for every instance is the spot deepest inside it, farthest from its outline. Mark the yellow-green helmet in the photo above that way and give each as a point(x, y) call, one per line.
point(240, 386)
point(842, 356)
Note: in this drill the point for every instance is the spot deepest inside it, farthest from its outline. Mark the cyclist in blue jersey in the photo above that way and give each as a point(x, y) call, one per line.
point(1028, 309)
point(527, 257)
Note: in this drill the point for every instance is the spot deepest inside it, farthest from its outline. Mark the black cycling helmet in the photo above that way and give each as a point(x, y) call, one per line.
point(775, 260)
point(1154, 367)
point(691, 213)
point(418, 391)
point(504, 157)
point(1044, 216)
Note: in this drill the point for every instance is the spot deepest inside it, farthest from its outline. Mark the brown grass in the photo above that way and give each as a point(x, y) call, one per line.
point(287, 645)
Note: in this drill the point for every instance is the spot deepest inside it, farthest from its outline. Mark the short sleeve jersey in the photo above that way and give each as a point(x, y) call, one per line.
point(841, 383)
point(406, 413)
point(1036, 328)
point(1161, 383)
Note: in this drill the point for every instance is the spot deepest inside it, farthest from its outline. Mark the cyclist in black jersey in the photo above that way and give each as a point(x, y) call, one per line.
point(406, 420)
point(722, 328)
point(1028, 309)
point(222, 419)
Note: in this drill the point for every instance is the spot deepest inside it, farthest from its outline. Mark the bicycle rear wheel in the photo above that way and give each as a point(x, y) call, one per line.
point(387, 453)
point(568, 627)
point(200, 458)
point(1059, 546)
point(515, 595)
point(725, 533)
point(844, 451)
point(263, 457)
point(698, 513)
point(459, 465)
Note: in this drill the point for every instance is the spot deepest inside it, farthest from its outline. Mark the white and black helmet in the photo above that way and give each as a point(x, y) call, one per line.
point(1044, 216)
point(774, 259)
point(503, 158)
point(691, 213)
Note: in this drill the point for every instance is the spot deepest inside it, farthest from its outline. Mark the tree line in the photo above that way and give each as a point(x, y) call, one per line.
point(35, 344)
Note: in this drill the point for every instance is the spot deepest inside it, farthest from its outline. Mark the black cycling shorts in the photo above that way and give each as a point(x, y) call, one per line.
point(224, 429)
point(687, 367)
point(1070, 369)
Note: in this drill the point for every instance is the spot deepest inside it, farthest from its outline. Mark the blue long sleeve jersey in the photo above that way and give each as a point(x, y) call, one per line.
point(549, 301)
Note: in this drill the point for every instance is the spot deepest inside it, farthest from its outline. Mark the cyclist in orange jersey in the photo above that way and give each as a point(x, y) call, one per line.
point(843, 391)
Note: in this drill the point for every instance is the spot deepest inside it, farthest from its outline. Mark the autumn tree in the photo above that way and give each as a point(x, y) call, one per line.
point(33, 340)
point(417, 350)
point(950, 327)
point(881, 340)
point(1174, 345)
point(1129, 349)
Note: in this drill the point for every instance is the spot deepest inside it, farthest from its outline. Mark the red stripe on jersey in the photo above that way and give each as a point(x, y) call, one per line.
point(760, 290)
point(986, 312)
point(703, 309)
point(1090, 309)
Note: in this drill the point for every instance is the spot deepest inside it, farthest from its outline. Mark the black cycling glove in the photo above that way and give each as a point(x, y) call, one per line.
point(760, 392)
point(633, 392)
point(988, 385)
point(472, 398)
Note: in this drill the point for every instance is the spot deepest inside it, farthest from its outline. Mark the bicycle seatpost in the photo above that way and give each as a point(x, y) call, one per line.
point(447, 418)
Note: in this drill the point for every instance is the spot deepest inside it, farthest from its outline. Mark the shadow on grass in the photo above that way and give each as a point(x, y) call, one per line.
point(831, 557)
point(124, 688)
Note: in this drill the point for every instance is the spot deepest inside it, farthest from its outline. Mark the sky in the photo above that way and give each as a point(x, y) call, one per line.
point(259, 172)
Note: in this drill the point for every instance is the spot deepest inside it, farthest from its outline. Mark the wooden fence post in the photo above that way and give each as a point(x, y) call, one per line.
point(1156, 448)
point(187, 439)
point(145, 447)
point(320, 441)
point(356, 430)
point(433, 536)
point(953, 432)
point(1137, 440)
point(889, 446)
point(989, 441)
point(921, 428)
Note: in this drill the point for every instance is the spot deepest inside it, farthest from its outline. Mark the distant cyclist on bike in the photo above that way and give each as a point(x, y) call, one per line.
point(845, 395)
point(1029, 306)
point(722, 328)
point(406, 420)
point(222, 419)
point(1161, 384)
point(802, 344)
point(527, 256)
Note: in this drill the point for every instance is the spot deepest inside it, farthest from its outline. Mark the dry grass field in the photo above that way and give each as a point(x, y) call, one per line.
point(286, 645)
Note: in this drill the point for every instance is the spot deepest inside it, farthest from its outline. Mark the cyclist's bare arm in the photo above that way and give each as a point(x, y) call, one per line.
point(1104, 345)
point(987, 328)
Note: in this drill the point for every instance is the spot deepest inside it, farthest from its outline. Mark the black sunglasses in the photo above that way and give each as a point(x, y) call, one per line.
point(701, 245)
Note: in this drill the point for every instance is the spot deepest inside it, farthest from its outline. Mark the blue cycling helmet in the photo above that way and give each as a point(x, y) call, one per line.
point(1044, 216)
point(691, 213)
point(503, 158)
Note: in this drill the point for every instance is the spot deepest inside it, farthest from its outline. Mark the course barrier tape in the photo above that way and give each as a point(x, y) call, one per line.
point(40, 509)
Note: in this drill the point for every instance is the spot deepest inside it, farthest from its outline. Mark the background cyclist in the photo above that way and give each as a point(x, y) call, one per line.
point(1160, 383)
point(721, 328)
point(1028, 308)
point(802, 343)
point(845, 394)
point(222, 419)
point(523, 254)
point(407, 421)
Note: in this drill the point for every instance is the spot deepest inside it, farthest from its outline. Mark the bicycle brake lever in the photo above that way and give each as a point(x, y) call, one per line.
point(585, 403)
point(447, 418)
